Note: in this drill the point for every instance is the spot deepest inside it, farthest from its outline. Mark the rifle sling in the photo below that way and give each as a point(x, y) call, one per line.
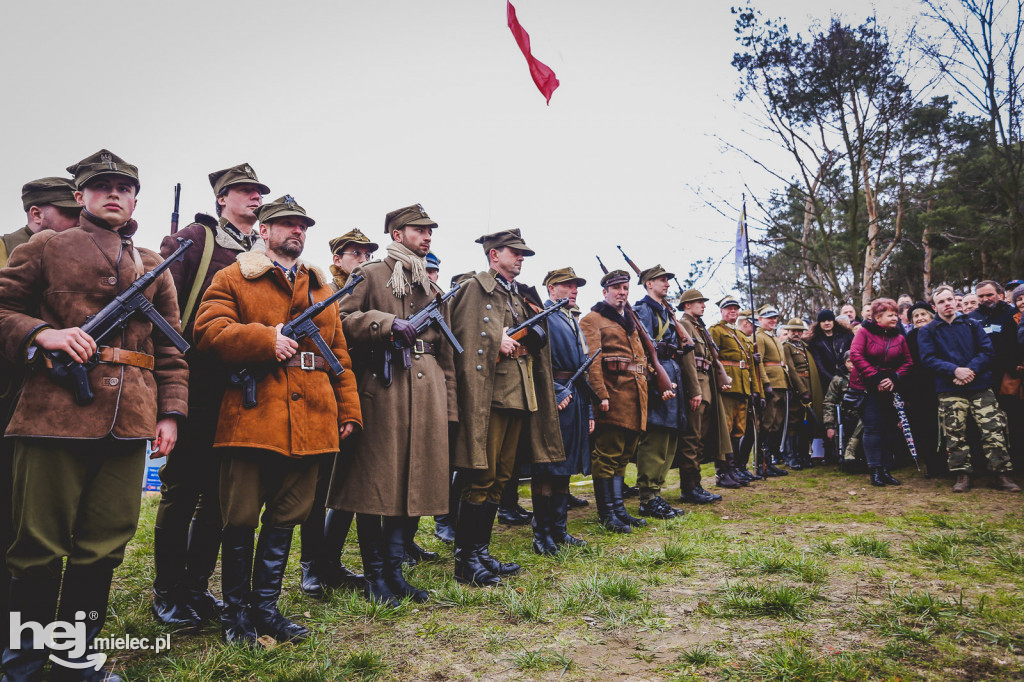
point(197, 283)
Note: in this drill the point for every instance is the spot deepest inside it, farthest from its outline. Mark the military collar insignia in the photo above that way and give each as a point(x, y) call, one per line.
point(511, 287)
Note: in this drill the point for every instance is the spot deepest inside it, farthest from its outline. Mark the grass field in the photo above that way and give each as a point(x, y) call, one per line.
point(816, 576)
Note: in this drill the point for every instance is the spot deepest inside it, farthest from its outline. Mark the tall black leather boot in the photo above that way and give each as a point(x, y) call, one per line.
point(267, 575)
point(413, 552)
point(484, 531)
point(543, 542)
point(236, 578)
point(619, 504)
point(468, 539)
point(606, 506)
point(328, 567)
point(444, 525)
point(371, 548)
point(86, 590)
point(33, 599)
point(396, 531)
point(170, 606)
point(200, 561)
point(311, 546)
point(560, 521)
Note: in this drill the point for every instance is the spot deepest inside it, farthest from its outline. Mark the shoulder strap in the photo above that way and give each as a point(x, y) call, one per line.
point(197, 283)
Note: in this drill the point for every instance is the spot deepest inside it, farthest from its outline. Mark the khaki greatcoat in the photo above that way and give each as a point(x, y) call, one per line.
point(400, 460)
point(298, 412)
point(58, 280)
point(477, 323)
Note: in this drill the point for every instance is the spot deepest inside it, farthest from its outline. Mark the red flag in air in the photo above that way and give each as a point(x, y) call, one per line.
point(542, 74)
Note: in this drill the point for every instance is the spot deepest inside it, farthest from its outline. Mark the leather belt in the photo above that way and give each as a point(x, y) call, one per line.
point(121, 356)
point(742, 364)
point(774, 364)
point(422, 347)
point(307, 361)
point(666, 351)
point(561, 377)
point(624, 366)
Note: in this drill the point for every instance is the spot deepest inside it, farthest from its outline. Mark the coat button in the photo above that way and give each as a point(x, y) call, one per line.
point(479, 367)
point(480, 352)
point(111, 280)
point(483, 333)
point(487, 319)
point(488, 306)
point(419, 375)
point(295, 396)
point(416, 356)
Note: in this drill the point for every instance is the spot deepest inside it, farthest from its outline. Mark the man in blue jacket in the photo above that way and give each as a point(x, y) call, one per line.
point(960, 354)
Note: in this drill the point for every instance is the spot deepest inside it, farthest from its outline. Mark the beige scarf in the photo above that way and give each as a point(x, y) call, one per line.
point(417, 266)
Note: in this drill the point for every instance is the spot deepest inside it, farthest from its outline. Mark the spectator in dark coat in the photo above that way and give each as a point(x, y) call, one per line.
point(881, 359)
point(829, 342)
point(922, 401)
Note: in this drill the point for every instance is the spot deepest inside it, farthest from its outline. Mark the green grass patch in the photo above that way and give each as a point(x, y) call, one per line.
point(767, 601)
point(869, 545)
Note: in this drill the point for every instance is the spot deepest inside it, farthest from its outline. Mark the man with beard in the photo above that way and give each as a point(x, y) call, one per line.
point(666, 418)
point(77, 467)
point(324, 531)
point(505, 393)
point(302, 410)
point(399, 469)
point(186, 536)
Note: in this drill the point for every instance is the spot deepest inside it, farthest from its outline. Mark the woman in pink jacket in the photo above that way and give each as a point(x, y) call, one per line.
point(881, 358)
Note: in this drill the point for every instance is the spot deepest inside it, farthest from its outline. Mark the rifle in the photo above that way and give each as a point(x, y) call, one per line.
point(532, 326)
point(661, 377)
point(686, 344)
point(422, 320)
point(174, 213)
point(300, 327)
point(113, 317)
point(584, 387)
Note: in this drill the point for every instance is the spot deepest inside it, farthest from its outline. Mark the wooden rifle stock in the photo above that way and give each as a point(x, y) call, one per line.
point(684, 339)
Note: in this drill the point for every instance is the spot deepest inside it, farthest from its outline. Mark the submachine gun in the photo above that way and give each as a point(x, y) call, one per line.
point(300, 327)
point(431, 314)
point(112, 318)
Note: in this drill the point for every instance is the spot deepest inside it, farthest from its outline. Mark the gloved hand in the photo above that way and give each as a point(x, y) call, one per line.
point(403, 333)
point(757, 358)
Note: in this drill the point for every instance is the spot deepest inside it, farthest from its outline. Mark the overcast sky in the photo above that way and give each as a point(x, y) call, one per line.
point(358, 108)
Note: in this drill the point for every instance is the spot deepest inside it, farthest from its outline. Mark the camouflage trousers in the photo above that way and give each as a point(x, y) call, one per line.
point(954, 409)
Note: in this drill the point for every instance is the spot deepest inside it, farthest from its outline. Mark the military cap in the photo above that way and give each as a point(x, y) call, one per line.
point(512, 238)
point(654, 273)
point(282, 208)
point(103, 162)
point(614, 277)
point(242, 174)
point(745, 314)
point(767, 310)
point(352, 237)
point(59, 192)
point(433, 262)
point(691, 296)
point(727, 301)
point(410, 215)
point(563, 275)
point(795, 324)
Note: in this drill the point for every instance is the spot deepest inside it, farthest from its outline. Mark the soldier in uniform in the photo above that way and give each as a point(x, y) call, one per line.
point(78, 467)
point(324, 531)
point(752, 434)
point(773, 359)
point(806, 400)
point(736, 352)
point(186, 535)
point(549, 483)
point(619, 378)
point(399, 469)
point(49, 205)
point(666, 419)
point(433, 267)
point(505, 392)
point(302, 410)
point(706, 429)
